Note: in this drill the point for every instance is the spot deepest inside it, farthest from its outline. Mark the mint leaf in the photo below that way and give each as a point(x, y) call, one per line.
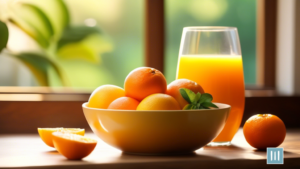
point(202, 107)
point(194, 106)
point(187, 94)
point(188, 107)
point(196, 101)
point(205, 97)
point(208, 105)
point(197, 97)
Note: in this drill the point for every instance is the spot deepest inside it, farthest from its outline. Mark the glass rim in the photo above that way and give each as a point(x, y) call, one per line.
point(209, 28)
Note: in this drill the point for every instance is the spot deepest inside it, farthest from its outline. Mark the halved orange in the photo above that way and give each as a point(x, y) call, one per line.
point(46, 133)
point(73, 146)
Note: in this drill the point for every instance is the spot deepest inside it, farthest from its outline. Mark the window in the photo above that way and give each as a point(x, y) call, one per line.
point(119, 53)
point(122, 22)
point(233, 13)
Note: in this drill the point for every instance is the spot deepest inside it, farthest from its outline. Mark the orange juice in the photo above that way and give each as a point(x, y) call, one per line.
point(222, 77)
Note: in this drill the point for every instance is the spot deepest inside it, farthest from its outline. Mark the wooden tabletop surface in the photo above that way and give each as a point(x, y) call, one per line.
point(28, 151)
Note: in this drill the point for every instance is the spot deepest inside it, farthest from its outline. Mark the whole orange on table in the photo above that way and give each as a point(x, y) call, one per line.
point(264, 130)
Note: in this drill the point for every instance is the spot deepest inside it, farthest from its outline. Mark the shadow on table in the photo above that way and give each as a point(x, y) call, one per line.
point(231, 147)
point(126, 156)
point(265, 150)
point(187, 155)
point(52, 152)
point(263, 153)
point(153, 155)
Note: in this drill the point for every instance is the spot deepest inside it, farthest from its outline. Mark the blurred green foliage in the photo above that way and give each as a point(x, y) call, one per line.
point(38, 65)
point(48, 23)
point(123, 21)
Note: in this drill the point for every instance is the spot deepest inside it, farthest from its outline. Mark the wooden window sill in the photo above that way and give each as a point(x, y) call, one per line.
point(61, 109)
point(66, 94)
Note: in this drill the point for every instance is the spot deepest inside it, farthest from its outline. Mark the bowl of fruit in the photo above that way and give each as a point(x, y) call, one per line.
point(150, 117)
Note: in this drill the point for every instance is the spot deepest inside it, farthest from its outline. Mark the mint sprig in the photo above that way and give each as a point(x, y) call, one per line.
point(196, 101)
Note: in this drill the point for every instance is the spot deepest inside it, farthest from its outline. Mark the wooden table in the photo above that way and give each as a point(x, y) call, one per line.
point(28, 151)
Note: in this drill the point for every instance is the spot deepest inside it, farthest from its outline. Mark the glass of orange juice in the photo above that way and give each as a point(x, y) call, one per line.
point(211, 56)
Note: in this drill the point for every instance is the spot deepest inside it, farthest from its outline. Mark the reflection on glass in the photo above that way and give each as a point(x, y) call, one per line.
point(211, 56)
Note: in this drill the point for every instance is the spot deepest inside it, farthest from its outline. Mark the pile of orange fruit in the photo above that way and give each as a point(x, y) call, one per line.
point(145, 88)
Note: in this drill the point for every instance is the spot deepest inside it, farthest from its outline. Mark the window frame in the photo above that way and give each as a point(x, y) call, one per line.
point(266, 43)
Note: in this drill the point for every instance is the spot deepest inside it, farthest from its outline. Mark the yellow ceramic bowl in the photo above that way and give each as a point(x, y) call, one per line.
point(157, 132)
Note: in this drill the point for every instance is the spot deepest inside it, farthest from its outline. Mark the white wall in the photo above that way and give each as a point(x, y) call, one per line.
point(286, 61)
point(14, 73)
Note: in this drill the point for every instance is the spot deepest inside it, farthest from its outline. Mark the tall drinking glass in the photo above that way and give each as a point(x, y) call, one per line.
point(211, 56)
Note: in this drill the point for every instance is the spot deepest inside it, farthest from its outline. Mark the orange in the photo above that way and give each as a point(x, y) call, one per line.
point(104, 95)
point(264, 130)
point(159, 102)
point(73, 146)
point(144, 81)
point(46, 133)
point(173, 89)
point(124, 103)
